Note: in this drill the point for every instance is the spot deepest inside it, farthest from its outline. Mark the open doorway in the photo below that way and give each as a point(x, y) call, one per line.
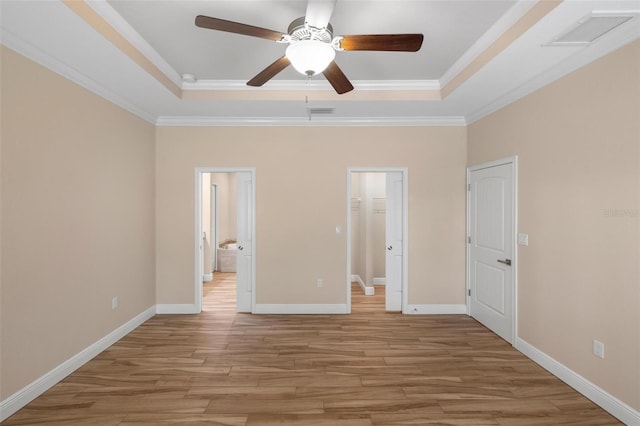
point(220, 240)
point(224, 236)
point(368, 219)
point(376, 225)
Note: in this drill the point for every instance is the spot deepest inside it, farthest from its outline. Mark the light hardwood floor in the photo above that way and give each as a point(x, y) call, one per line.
point(367, 368)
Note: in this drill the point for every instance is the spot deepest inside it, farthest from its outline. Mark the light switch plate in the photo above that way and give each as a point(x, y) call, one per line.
point(523, 239)
point(598, 349)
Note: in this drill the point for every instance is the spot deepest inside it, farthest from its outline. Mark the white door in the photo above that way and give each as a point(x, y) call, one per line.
point(394, 237)
point(491, 248)
point(244, 268)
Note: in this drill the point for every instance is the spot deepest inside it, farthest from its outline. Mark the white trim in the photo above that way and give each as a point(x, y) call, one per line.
point(610, 403)
point(299, 309)
point(198, 171)
point(207, 277)
point(177, 309)
point(436, 309)
point(367, 290)
point(214, 220)
point(194, 121)
point(405, 226)
point(313, 85)
point(28, 50)
point(379, 281)
point(123, 28)
point(198, 245)
point(514, 270)
point(36, 388)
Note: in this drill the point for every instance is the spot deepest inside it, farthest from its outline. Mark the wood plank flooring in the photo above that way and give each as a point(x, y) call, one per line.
point(367, 368)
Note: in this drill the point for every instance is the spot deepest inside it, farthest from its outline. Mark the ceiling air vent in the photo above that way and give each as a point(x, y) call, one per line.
point(320, 110)
point(589, 29)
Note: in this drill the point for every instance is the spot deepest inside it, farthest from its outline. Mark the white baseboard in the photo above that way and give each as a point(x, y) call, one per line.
point(314, 309)
point(207, 277)
point(435, 309)
point(380, 281)
point(613, 405)
point(36, 388)
point(367, 290)
point(177, 309)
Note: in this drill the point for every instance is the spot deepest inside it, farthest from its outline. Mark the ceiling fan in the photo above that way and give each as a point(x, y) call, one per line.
point(312, 45)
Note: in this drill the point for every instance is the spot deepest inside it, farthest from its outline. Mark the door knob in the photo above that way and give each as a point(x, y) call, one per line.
point(506, 261)
point(390, 248)
point(240, 248)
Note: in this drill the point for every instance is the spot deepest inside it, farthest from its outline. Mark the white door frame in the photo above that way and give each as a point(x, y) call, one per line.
point(199, 171)
point(405, 228)
point(214, 226)
point(513, 161)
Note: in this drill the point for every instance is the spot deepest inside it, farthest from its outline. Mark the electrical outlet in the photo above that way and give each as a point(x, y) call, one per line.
point(114, 303)
point(598, 349)
point(320, 283)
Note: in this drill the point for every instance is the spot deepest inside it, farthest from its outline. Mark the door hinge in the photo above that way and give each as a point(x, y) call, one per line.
point(469, 292)
point(469, 240)
point(469, 187)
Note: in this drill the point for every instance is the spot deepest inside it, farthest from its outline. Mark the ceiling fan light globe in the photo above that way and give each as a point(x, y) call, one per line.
point(310, 57)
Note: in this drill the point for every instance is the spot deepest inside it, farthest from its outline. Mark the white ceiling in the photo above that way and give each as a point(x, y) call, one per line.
point(390, 87)
point(213, 55)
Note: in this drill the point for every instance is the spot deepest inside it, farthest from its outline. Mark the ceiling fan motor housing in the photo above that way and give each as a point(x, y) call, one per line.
point(299, 30)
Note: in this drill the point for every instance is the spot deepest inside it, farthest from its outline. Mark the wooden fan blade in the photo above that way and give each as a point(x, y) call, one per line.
point(269, 72)
point(236, 27)
point(319, 12)
point(338, 80)
point(383, 42)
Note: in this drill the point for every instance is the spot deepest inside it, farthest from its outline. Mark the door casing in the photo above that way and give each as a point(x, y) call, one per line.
point(199, 171)
point(405, 228)
point(214, 226)
point(513, 161)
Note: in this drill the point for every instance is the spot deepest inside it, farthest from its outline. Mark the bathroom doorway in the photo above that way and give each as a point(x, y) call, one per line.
point(219, 238)
point(376, 230)
point(225, 229)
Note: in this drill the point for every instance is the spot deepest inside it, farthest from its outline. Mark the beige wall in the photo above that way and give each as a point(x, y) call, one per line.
point(77, 219)
point(301, 198)
point(577, 141)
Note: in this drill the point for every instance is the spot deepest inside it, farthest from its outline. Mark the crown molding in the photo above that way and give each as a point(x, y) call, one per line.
point(26, 49)
point(582, 57)
point(512, 16)
point(309, 121)
point(113, 18)
point(313, 85)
